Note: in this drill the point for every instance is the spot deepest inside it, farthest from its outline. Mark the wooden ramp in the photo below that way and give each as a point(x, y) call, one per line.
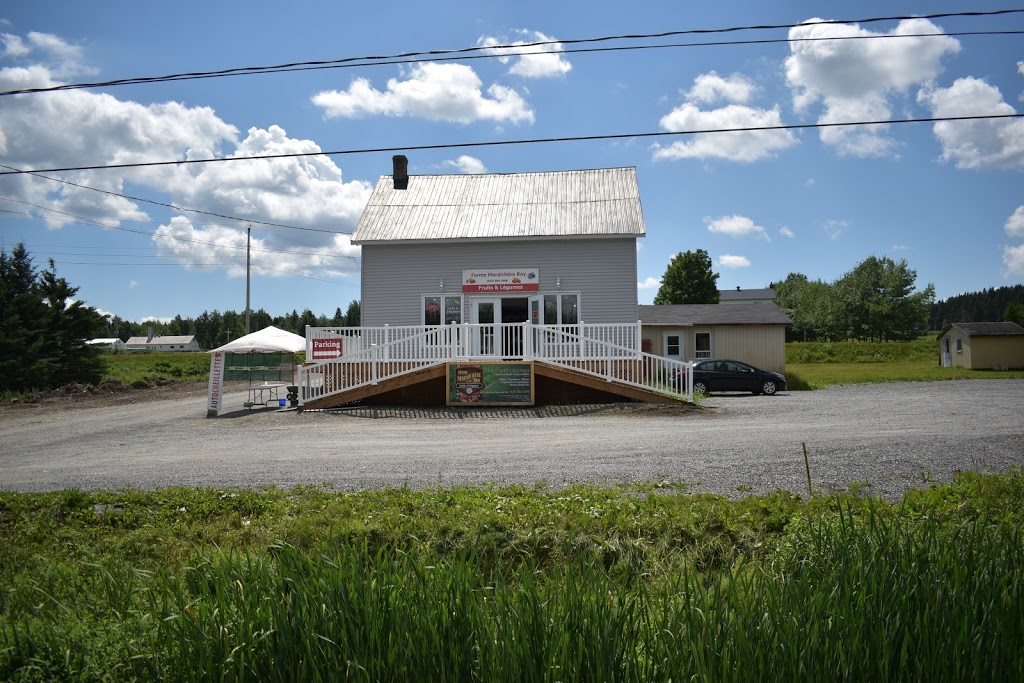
point(556, 385)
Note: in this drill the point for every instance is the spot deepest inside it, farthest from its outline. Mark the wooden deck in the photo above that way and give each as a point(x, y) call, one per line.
point(427, 386)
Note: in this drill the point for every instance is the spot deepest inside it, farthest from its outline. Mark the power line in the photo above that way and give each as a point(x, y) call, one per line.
point(266, 266)
point(176, 207)
point(107, 226)
point(492, 49)
point(504, 143)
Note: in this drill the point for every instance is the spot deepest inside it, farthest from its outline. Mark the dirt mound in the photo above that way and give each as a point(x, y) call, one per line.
point(109, 392)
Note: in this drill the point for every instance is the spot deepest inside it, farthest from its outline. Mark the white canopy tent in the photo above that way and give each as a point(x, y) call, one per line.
point(268, 340)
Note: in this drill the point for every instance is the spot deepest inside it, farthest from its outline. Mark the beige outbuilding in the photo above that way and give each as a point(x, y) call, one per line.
point(754, 333)
point(982, 346)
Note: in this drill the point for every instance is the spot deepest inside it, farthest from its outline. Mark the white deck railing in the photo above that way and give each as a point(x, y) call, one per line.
point(369, 355)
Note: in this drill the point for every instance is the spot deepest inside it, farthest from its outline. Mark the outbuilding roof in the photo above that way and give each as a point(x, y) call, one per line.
point(762, 313)
point(986, 329)
point(603, 202)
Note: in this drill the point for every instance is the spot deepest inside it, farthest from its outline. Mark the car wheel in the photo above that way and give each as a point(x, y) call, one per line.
point(768, 388)
point(700, 388)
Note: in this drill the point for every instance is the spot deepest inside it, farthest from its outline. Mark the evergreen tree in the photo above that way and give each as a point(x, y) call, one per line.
point(354, 314)
point(689, 279)
point(42, 329)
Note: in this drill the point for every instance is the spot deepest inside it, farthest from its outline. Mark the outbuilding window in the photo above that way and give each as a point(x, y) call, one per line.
point(959, 345)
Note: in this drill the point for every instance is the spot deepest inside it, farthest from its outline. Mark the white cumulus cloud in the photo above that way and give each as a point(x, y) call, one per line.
point(980, 144)
point(79, 127)
point(1015, 223)
point(220, 247)
point(858, 79)
point(786, 232)
point(732, 261)
point(711, 87)
point(439, 92)
point(529, 63)
point(466, 164)
point(649, 283)
point(736, 226)
point(740, 146)
point(1013, 259)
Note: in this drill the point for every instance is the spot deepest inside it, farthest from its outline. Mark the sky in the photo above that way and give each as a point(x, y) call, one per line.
point(947, 196)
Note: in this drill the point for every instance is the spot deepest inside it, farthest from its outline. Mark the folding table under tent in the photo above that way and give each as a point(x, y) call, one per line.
point(255, 356)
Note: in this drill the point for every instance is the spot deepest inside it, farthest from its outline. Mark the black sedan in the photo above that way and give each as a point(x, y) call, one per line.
point(732, 375)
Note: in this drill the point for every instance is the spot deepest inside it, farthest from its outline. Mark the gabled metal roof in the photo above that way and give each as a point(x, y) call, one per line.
point(602, 202)
point(766, 313)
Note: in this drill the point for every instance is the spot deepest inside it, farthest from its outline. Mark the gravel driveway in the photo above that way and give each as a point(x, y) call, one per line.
point(891, 436)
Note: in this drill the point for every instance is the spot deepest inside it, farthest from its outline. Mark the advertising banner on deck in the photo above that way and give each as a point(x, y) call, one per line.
point(490, 384)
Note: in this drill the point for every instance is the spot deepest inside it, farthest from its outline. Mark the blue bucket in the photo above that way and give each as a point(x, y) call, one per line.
point(282, 402)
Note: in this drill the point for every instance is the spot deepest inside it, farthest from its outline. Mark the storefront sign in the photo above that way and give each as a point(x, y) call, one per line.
point(501, 281)
point(490, 384)
point(326, 349)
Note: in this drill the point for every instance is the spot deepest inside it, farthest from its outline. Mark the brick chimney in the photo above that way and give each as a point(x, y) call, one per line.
point(401, 174)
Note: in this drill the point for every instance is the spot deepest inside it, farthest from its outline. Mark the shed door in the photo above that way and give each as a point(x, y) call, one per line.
point(673, 345)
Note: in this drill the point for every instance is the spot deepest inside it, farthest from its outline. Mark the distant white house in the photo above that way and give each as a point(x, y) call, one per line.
point(166, 343)
point(113, 343)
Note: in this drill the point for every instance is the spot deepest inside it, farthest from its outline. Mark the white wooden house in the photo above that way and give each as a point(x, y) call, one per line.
point(538, 268)
point(113, 343)
point(164, 343)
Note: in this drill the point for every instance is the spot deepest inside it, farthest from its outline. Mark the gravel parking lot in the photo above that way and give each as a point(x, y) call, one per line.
point(890, 436)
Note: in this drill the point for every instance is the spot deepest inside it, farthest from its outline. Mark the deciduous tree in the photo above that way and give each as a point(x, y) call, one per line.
point(689, 279)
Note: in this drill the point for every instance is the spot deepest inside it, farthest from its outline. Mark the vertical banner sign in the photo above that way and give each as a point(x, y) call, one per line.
point(216, 384)
point(327, 349)
point(490, 384)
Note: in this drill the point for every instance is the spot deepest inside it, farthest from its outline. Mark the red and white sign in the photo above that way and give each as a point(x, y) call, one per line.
point(501, 281)
point(326, 349)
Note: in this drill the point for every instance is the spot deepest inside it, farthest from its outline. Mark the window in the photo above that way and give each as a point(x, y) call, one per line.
point(959, 345)
point(431, 310)
point(561, 309)
point(672, 346)
point(570, 309)
point(435, 305)
point(702, 344)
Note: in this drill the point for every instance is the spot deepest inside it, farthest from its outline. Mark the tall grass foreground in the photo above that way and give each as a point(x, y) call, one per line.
point(853, 589)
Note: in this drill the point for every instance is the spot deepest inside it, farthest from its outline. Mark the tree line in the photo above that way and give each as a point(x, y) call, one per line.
point(995, 304)
point(876, 301)
point(214, 328)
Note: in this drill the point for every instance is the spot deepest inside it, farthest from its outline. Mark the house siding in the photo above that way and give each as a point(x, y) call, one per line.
point(602, 270)
point(761, 345)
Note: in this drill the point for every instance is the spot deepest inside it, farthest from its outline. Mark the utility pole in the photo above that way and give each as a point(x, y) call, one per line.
point(248, 269)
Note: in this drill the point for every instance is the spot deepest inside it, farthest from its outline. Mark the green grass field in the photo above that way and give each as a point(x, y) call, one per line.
point(636, 583)
point(814, 365)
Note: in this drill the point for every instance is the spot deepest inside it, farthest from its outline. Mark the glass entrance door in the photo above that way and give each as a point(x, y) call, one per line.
point(485, 314)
